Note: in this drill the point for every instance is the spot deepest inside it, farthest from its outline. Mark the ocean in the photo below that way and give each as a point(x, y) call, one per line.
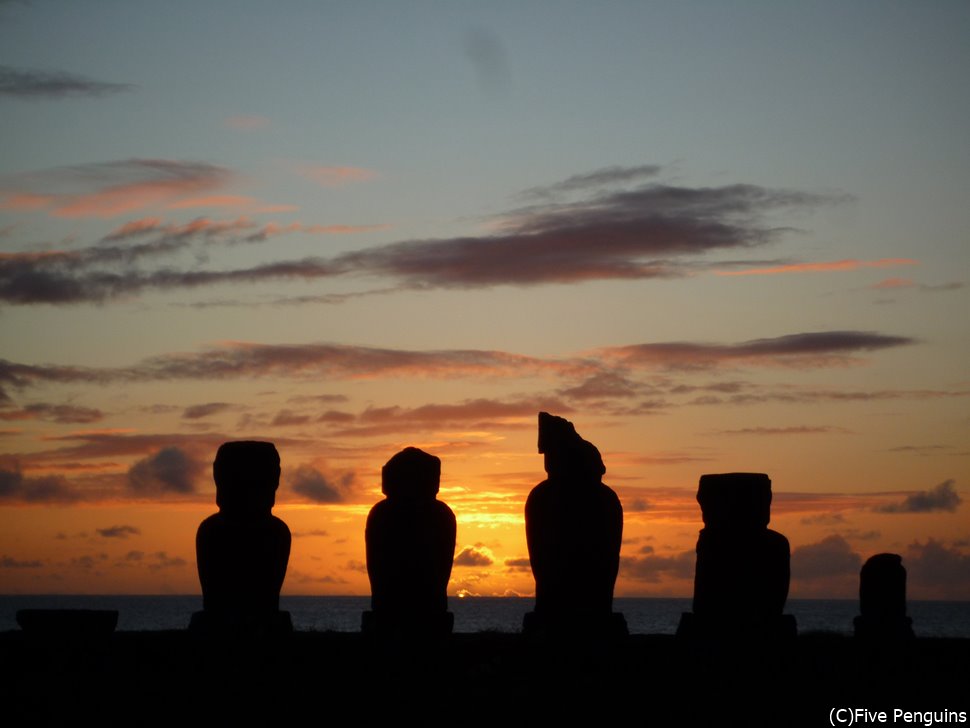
point(479, 614)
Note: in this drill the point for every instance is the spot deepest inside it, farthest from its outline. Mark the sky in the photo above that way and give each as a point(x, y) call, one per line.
point(717, 237)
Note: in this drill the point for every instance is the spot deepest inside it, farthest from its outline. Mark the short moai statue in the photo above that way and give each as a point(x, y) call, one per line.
point(882, 600)
point(574, 527)
point(742, 571)
point(243, 550)
point(410, 540)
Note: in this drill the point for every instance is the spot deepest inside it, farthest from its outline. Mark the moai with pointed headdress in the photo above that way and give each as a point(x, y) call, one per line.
point(573, 526)
point(882, 600)
point(743, 568)
point(242, 551)
point(410, 539)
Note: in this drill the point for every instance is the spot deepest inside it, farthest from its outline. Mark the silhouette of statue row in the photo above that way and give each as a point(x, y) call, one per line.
point(574, 528)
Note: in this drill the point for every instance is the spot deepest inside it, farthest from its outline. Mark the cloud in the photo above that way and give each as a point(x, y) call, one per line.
point(941, 498)
point(200, 411)
point(520, 564)
point(938, 572)
point(476, 414)
point(33, 84)
point(606, 176)
point(476, 555)
point(48, 489)
point(318, 488)
point(119, 187)
point(62, 413)
point(637, 505)
point(118, 531)
point(819, 348)
point(639, 233)
point(652, 567)
point(170, 470)
point(335, 176)
point(793, 430)
point(312, 533)
point(893, 283)
point(632, 234)
point(8, 562)
point(246, 122)
point(821, 267)
point(161, 560)
point(830, 557)
point(486, 52)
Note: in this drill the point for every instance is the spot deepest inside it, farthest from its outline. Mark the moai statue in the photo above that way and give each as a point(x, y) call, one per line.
point(742, 571)
point(242, 551)
point(573, 526)
point(410, 539)
point(882, 600)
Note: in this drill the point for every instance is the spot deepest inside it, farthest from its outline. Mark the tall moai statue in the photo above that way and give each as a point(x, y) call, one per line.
point(882, 600)
point(743, 568)
point(243, 550)
point(410, 538)
point(574, 527)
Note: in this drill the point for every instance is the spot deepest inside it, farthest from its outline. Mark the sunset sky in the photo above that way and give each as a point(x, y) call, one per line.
point(716, 236)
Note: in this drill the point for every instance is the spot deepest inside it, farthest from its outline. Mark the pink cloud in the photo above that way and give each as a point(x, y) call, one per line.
point(26, 201)
point(247, 122)
point(821, 267)
point(336, 176)
point(894, 283)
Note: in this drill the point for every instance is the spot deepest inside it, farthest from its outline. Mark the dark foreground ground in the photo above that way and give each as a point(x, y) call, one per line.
point(175, 678)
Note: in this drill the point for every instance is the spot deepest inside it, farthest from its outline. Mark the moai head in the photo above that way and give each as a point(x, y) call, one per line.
point(567, 455)
point(882, 587)
point(735, 500)
point(412, 474)
point(247, 474)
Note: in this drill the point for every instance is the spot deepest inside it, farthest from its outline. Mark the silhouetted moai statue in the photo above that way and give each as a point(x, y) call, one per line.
point(573, 526)
point(742, 571)
point(242, 551)
point(410, 539)
point(882, 600)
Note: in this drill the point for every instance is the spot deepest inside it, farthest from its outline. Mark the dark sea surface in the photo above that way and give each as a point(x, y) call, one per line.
point(478, 614)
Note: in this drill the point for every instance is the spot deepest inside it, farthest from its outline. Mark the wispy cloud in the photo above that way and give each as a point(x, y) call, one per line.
point(792, 430)
point(821, 267)
point(819, 348)
point(170, 470)
point(335, 176)
point(120, 187)
point(35, 84)
point(122, 531)
point(607, 176)
point(247, 122)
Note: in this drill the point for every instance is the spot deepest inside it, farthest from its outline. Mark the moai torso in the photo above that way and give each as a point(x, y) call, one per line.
point(243, 550)
point(410, 538)
point(743, 568)
point(574, 526)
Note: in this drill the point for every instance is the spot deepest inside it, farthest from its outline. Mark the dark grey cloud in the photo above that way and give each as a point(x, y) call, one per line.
point(34, 84)
point(8, 562)
point(636, 505)
point(46, 489)
point(941, 498)
point(811, 348)
point(937, 570)
point(830, 557)
point(199, 411)
point(639, 233)
point(312, 533)
point(519, 564)
point(313, 485)
point(651, 567)
point(473, 556)
point(607, 176)
point(62, 413)
point(122, 531)
point(170, 470)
